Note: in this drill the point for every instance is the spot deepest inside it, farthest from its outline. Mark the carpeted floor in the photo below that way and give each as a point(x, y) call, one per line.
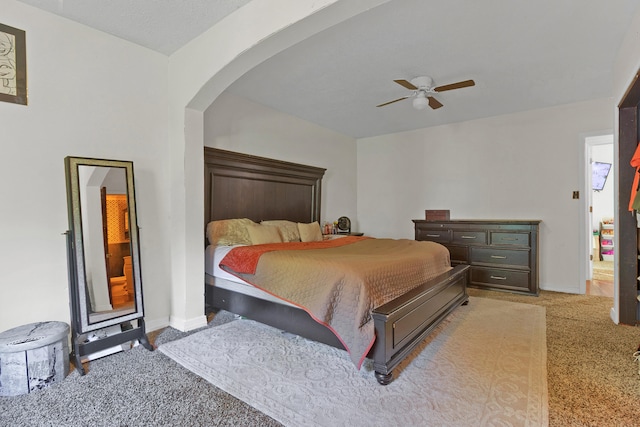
point(592, 376)
point(593, 379)
point(132, 388)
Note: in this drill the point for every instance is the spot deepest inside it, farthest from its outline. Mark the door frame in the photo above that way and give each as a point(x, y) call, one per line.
point(588, 140)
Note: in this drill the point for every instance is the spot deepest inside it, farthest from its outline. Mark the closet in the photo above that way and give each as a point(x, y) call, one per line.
point(627, 243)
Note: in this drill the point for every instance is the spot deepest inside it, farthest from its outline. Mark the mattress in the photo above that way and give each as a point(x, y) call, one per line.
point(217, 277)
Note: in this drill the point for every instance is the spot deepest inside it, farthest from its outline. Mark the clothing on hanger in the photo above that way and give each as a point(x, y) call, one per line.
point(634, 201)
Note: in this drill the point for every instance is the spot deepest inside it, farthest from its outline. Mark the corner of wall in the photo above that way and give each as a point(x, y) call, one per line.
point(185, 325)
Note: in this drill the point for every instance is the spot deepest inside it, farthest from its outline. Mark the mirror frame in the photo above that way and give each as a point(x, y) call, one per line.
point(77, 263)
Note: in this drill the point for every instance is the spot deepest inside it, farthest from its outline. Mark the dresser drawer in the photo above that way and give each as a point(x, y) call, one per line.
point(459, 254)
point(434, 235)
point(508, 257)
point(499, 278)
point(469, 237)
point(516, 239)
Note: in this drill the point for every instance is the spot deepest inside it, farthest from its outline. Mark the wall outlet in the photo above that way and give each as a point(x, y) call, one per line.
point(576, 194)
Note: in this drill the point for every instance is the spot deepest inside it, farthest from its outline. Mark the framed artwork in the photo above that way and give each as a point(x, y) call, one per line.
point(13, 65)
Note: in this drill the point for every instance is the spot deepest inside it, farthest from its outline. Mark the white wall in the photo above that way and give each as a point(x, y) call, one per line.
point(90, 95)
point(518, 166)
point(236, 124)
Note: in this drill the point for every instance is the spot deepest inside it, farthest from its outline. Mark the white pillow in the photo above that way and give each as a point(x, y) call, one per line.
point(263, 234)
point(288, 229)
point(310, 232)
point(229, 232)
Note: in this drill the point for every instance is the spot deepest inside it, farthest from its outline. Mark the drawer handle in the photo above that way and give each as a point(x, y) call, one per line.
point(498, 257)
point(512, 239)
point(433, 235)
point(469, 237)
point(499, 277)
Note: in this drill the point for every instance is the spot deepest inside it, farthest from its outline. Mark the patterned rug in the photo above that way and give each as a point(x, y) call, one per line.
point(485, 365)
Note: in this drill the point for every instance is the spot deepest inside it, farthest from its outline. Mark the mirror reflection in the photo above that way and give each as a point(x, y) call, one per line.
point(110, 285)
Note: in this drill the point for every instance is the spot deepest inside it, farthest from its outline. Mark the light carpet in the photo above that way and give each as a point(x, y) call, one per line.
point(484, 365)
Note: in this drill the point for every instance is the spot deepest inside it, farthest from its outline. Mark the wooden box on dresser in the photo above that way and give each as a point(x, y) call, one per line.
point(503, 254)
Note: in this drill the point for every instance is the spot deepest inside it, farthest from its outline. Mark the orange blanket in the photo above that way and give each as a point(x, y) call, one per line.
point(244, 259)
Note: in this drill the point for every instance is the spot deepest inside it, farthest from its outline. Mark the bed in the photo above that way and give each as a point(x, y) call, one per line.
point(260, 189)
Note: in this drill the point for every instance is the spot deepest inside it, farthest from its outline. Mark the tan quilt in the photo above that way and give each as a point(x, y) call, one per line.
point(339, 282)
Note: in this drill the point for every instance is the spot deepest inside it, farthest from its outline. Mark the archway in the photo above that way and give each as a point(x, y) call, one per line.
point(198, 74)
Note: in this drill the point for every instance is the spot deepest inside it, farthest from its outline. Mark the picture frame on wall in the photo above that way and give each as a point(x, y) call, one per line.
point(13, 65)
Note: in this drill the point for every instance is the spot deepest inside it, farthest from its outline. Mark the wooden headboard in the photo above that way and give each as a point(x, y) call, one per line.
point(243, 186)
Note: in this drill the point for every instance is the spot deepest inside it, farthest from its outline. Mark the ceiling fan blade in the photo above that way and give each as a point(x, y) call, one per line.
point(406, 84)
point(458, 85)
point(391, 102)
point(434, 103)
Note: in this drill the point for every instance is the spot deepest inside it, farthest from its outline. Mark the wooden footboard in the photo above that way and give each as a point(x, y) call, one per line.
point(400, 325)
point(403, 323)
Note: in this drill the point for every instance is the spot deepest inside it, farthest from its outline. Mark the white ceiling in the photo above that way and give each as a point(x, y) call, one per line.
point(522, 54)
point(162, 25)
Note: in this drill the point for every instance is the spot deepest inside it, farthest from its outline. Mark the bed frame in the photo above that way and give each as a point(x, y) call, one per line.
point(244, 186)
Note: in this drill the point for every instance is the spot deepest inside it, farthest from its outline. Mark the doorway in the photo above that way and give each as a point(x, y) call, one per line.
point(601, 193)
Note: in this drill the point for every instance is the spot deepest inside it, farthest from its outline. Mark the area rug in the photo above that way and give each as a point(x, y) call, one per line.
point(603, 270)
point(484, 365)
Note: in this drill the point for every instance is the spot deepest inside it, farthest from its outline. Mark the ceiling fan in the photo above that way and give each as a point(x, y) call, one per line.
point(423, 89)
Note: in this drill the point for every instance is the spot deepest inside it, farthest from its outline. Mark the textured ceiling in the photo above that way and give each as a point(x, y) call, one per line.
point(161, 25)
point(522, 55)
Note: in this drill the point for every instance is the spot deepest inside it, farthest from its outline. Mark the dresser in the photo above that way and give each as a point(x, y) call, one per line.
point(503, 254)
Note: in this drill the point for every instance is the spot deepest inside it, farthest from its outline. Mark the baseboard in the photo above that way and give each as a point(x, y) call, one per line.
point(561, 290)
point(156, 324)
point(185, 325)
point(614, 315)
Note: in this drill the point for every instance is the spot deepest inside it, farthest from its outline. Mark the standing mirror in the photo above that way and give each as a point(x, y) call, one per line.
point(105, 284)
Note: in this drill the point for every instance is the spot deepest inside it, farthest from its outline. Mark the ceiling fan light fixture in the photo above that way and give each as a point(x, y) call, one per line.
point(422, 90)
point(420, 102)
